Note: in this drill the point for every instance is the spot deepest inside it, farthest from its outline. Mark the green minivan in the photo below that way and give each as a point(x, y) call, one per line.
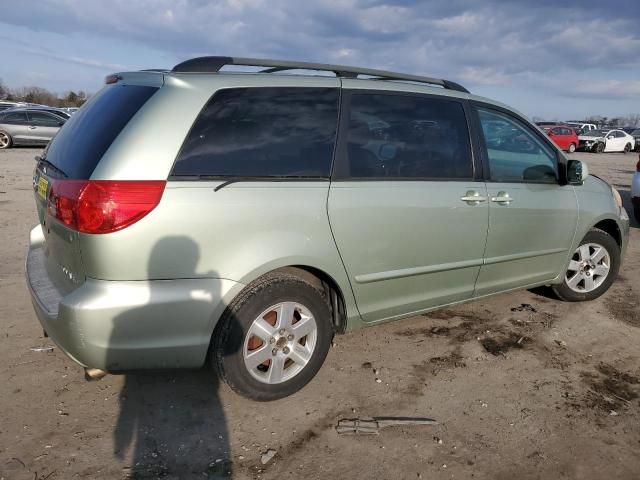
point(243, 218)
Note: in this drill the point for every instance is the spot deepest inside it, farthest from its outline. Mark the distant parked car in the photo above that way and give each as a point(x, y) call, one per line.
point(635, 191)
point(599, 141)
point(547, 124)
point(582, 126)
point(636, 136)
point(28, 127)
point(565, 137)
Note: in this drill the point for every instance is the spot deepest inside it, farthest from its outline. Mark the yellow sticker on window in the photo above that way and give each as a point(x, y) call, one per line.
point(43, 183)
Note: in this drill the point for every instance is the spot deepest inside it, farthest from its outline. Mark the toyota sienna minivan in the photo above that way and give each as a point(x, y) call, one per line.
point(201, 215)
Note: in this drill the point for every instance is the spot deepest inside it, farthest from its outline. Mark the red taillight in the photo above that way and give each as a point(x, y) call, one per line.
point(102, 206)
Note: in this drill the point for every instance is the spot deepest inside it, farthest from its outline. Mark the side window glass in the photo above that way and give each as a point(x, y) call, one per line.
point(401, 136)
point(514, 152)
point(42, 119)
point(263, 132)
point(15, 117)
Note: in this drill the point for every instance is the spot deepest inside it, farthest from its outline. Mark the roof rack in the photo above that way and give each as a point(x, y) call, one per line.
point(214, 64)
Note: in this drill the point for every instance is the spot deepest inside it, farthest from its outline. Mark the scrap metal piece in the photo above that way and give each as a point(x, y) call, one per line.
point(372, 426)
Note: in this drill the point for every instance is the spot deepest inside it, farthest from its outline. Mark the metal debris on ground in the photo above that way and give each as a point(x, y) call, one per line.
point(372, 426)
point(267, 456)
point(41, 349)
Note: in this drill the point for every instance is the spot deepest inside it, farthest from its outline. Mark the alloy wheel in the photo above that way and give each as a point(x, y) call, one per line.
point(280, 342)
point(4, 140)
point(588, 268)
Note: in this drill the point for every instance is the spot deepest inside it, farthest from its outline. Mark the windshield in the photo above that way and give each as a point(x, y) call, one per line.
point(81, 143)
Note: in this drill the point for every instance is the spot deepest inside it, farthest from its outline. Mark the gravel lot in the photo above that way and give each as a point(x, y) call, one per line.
point(561, 403)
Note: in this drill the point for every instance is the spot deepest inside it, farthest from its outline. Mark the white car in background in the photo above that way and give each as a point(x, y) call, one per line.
point(599, 141)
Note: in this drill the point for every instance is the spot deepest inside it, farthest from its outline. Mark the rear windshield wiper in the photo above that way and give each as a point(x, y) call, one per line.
point(50, 165)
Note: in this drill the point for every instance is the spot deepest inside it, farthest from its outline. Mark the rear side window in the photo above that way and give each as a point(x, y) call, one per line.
point(42, 119)
point(400, 136)
point(15, 117)
point(262, 132)
point(86, 136)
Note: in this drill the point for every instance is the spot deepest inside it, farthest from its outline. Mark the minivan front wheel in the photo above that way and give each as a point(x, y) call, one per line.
point(592, 268)
point(274, 337)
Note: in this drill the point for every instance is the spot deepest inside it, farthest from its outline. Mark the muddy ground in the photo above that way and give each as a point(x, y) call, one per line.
point(522, 385)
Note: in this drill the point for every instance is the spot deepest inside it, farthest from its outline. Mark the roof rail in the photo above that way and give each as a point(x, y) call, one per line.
point(214, 64)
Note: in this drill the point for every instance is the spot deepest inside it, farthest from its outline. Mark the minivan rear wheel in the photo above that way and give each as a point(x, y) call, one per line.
point(5, 140)
point(592, 268)
point(274, 337)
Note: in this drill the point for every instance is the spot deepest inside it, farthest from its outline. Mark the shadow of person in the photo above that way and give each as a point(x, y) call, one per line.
point(171, 424)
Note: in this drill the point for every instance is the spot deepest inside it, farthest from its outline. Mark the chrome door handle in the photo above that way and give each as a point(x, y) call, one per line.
point(473, 198)
point(503, 198)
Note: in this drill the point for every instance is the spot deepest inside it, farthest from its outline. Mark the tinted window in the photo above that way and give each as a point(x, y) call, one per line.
point(15, 117)
point(42, 119)
point(79, 145)
point(514, 151)
point(400, 136)
point(263, 132)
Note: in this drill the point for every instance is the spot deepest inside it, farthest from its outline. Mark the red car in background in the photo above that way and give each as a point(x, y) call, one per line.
point(565, 137)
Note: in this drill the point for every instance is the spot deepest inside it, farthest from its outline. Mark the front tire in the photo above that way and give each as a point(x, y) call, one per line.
point(273, 338)
point(599, 148)
point(572, 148)
point(5, 140)
point(592, 268)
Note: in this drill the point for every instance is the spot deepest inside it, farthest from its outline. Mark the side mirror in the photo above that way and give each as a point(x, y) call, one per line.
point(577, 172)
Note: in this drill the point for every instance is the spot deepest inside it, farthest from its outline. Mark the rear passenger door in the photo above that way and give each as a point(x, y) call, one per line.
point(407, 210)
point(532, 218)
point(43, 126)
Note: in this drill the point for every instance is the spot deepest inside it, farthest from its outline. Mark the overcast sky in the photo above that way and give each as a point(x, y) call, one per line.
point(547, 60)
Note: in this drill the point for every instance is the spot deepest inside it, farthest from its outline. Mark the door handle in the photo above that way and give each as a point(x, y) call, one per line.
point(503, 198)
point(32, 127)
point(473, 198)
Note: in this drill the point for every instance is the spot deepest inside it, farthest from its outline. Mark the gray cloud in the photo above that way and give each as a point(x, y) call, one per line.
point(480, 43)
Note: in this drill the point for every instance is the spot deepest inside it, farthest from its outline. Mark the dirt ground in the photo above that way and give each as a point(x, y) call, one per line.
point(522, 385)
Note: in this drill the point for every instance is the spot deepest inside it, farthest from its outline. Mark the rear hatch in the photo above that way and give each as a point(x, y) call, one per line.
point(72, 156)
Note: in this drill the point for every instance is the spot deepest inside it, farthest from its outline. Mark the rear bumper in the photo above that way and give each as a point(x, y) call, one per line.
point(120, 325)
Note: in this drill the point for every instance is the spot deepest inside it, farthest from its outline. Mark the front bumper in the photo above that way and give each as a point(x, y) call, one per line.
point(126, 325)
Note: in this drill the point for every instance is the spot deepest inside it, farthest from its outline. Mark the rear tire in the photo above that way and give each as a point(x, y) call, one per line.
point(600, 268)
point(572, 148)
point(5, 140)
point(273, 338)
point(627, 148)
